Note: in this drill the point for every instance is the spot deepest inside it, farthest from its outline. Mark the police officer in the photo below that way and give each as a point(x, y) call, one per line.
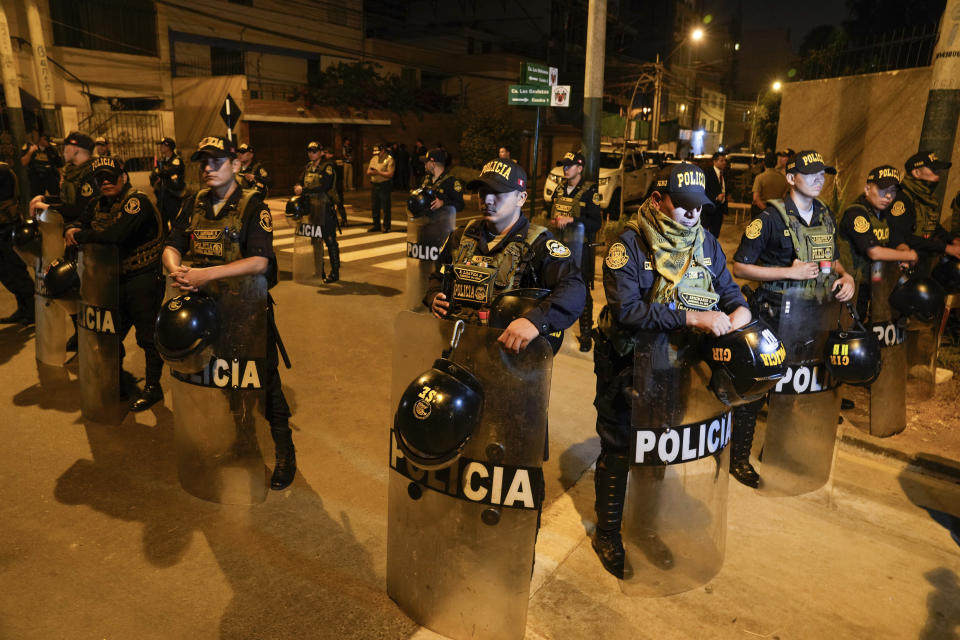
point(915, 213)
point(13, 272)
point(448, 189)
point(780, 248)
point(577, 200)
point(126, 217)
point(337, 192)
point(78, 189)
point(865, 229)
point(661, 257)
point(167, 180)
point(520, 255)
point(317, 180)
point(101, 147)
point(252, 174)
point(43, 162)
point(222, 203)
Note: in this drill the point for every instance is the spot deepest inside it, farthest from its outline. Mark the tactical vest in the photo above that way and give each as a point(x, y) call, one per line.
point(143, 256)
point(811, 244)
point(217, 241)
point(75, 184)
point(333, 193)
point(478, 279)
point(880, 229)
point(568, 205)
point(925, 205)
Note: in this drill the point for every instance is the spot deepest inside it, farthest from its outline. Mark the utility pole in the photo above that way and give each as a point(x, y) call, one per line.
point(14, 109)
point(593, 87)
point(657, 96)
point(42, 69)
point(943, 101)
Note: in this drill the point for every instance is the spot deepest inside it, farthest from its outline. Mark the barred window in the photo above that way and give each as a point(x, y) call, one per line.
point(121, 26)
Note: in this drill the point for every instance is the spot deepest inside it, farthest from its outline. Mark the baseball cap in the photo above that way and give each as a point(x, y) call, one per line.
point(79, 139)
point(786, 153)
point(571, 158)
point(214, 147)
point(437, 155)
point(243, 148)
point(169, 142)
point(109, 165)
point(807, 162)
point(100, 140)
point(313, 145)
point(926, 159)
point(500, 176)
point(685, 183)
point(885, 176)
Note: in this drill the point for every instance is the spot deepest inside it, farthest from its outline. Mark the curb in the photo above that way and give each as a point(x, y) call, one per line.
point(943, 469)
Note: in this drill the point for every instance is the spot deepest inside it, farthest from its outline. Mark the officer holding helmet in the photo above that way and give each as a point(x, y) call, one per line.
point(125, 217)
point(252, 174)
point(317, 181)
point(244, 225)
point(447, 189)
point(664, 274)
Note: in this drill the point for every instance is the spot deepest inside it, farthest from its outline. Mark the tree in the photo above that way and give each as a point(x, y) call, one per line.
point(484, 132)
point(767, 121)
point(360, 86)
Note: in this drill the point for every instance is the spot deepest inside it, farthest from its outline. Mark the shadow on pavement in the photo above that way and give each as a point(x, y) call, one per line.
point(943, 606)
point(13, 338)
point(930, 495)
point(58, 389)
point(350, 288)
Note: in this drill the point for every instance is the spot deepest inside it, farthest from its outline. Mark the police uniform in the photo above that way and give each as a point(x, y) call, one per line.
point(261, 181)
point(130, 221)
point(13, 272)
point(167, 180)
point(447, 188)
point(915, 212)
point(43, 170)
point(247, 227)
point(318, 181)
point(78, 191)
point(642, 301)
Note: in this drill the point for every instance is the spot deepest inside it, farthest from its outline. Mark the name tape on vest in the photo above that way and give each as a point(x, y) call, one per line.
point(686, 443)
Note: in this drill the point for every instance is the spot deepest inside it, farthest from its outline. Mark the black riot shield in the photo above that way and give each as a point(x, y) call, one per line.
point(98, 339)
point(425, 237)
point(460, 539)
point(804, 407)
point(217, 428)
point(675, 514)
point(308, 242)
point(52, 316)
point(888, 393)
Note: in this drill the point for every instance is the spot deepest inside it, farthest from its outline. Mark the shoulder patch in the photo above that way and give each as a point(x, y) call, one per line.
point(754, 229)
point(860, 224)
point(86, 190)
point(647, 265)
point(616, 256)
point(898, 208)
point(596, 197)
point(707, 261)
point(557, 249)
point(132, 206)
point(176, 162)
point(329, 169)
point(266, 221)
point(262, 172)
point(457, 186)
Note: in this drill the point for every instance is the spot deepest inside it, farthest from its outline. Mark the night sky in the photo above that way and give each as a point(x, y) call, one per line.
point(798, 17)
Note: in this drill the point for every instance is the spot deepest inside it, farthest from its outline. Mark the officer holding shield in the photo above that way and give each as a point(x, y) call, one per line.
point(244, 226)
point(125, 217)
point(663, 276)
point(317, 181)
point(447, 188)
point(504, 251)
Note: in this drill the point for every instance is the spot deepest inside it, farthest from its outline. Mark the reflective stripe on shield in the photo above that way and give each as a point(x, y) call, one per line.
point(425, 237)
point(219, 434)
point(460, 540)
point(801, 431)
point(677, 488)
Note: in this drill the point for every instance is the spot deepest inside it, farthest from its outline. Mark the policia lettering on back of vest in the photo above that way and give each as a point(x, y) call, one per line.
point(127, 218)
point(503, 252)
point(792, 243)
point(241, 219)
point(317, 180)
point(664, 274)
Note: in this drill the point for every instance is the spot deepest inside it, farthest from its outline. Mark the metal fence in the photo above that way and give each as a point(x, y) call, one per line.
point(133, 135)
point(903, 49)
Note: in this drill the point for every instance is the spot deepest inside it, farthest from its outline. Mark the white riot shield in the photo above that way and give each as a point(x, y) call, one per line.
point(804, 408)
point(675, 514)
point(460, 540)
point(308, 245)
point(53, 326)
point(425, 237)
point(217, 426)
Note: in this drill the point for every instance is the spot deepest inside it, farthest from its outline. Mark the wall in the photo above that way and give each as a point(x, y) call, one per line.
point(859, 122)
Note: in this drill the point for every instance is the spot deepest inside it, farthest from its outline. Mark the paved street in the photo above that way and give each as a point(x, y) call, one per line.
point(99, 540)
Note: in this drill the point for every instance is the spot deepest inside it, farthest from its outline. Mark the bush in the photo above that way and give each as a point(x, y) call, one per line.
point(484, 132)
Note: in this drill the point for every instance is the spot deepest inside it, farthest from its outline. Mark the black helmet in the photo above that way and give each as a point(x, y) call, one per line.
point(947, 274)
point(298, 207)
point(919, 297)
point(510, 305)
point(26, 235)
point(61, 279)
point(186, 329)
point(746, 363)
point(438, 414)
point(853, 356)
point(420, 200)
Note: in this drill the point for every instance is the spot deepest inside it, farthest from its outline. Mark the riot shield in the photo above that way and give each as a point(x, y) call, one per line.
point(888, 393)
point(460, 540)
point(675, 513)
point(217, 428)
point(804, 407)
point(308, 242)
point(425, 237)
point(52, 316)
point(98, 338)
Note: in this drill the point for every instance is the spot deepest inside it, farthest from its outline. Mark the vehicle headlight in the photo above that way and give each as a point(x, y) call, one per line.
point(602, 182)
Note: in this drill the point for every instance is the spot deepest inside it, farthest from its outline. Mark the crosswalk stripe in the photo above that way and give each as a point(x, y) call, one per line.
point(393, 265)
point(354, 256)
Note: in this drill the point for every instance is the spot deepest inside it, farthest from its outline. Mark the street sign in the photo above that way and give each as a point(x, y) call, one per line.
point(230, 112)
point(560, 95)
point(529, 95)
point(535, 73)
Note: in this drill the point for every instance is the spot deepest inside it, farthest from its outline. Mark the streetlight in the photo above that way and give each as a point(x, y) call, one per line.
point(777, 85)
point(696, 35)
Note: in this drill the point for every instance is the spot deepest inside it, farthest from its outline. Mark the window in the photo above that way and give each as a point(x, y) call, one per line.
point(246, 3)
point(121, 26)
point(226, 62)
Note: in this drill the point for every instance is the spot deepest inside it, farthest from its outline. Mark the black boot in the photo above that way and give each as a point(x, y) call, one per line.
point(151, 395)
point(334, 265)
point(586, 326)
point(741, 441)
point(610, 483)
point(286, 467)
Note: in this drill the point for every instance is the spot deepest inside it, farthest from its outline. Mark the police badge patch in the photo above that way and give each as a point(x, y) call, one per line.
point(176, 162)
point(557, 249)
point(596, 198)
point(860, 224)
point(616, 256)
point(329, 169)
point(457, 186)
point(132, 206)
point(898, 208)
point(86, 190)
point(754, 229)
point(266, 221)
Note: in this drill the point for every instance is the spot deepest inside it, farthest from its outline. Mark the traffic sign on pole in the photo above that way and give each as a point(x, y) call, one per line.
point(529, 95)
